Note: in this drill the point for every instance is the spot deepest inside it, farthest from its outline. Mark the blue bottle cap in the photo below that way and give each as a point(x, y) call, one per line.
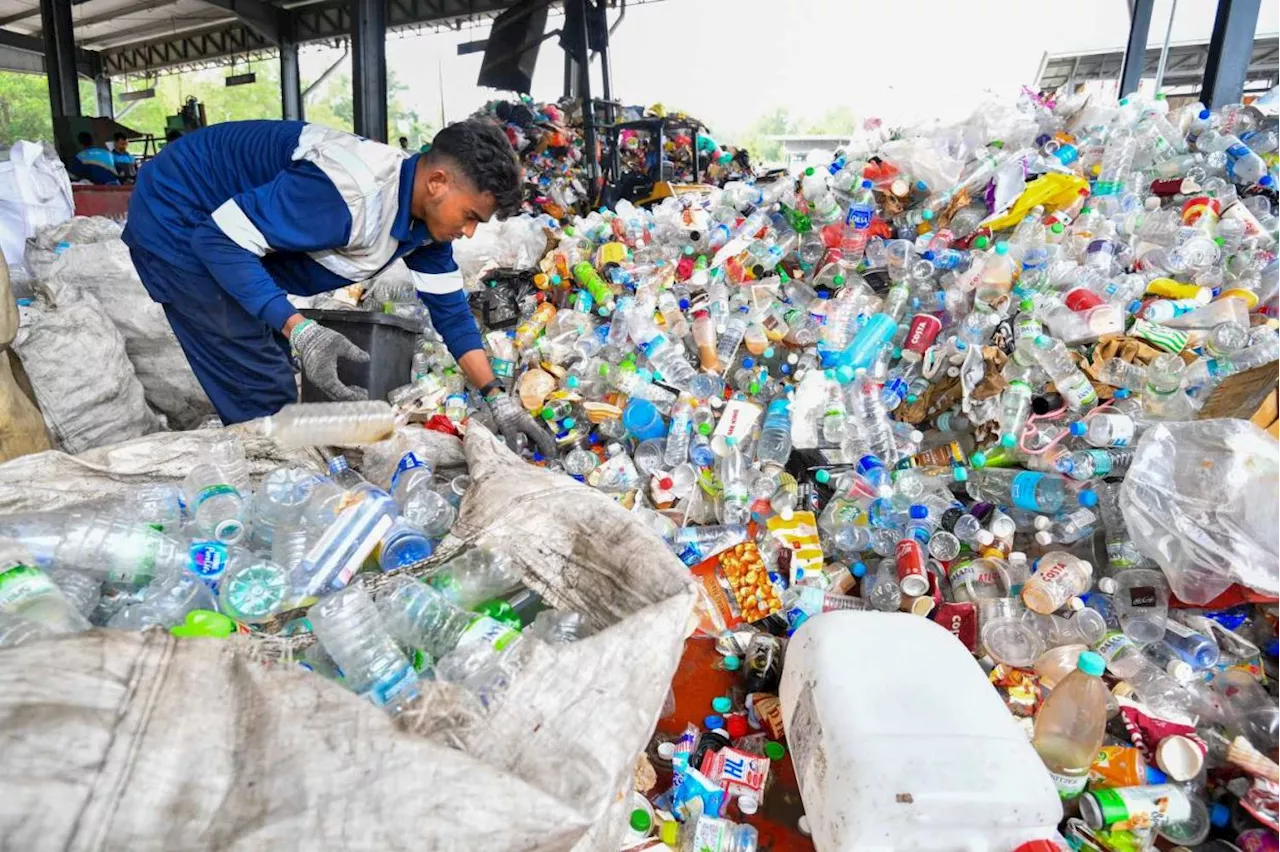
point(844, 374)
point(1008, 440)
point(684, 304)
point(1122, 393)
point(732, 663)
point(858, 569)
point(1088, 499)
point(713, 722)
point(918, 512)
point(1078, 429)
point(960, 473)
point(1155, 776)
point(571, 382)
point(768, 352)
point(748, 362)
point(978, 459)
point(1091, 663)
point(1219, 814)
point(722, 704)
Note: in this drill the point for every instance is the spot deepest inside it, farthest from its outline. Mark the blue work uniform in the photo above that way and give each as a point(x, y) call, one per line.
point(126, 165)
point(98, 166)
point(225, 222)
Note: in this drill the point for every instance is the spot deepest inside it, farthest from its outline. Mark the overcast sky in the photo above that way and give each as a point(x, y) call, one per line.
point(728, 61)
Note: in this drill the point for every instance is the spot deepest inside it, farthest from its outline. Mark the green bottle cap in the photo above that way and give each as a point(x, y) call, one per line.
point(823, 477)
point(640, 820)
point(204, 623)
point(774, 750)
point(704, 429)
point(1057, 228)
point(982, 242)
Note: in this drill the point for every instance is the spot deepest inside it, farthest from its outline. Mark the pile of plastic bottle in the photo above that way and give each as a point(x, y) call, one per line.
point(214, 557)
point(911, 379)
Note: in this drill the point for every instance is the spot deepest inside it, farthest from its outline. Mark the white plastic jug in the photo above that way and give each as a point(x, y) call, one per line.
point(900, 742)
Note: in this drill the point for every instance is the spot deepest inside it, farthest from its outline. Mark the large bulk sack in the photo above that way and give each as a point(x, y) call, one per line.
point(145, 742)
point(35, 192)
point(86, 255)
point(81, 373)
point(54, 481)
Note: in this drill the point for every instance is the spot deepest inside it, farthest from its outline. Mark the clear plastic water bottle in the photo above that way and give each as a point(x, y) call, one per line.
point(1106, 430)
point(27, 592)
point(253, 588)
point(351, 629)
point(404, 546)
point(16, 630)
point(735, 328)
point(279, 501)
point(414, 471)
point(214, 503)
point(120, 553)
point(422, 617)
point(677, 444)
point(774, 444)
point(1071, 725)
point(474, 576)
point(1071, 382)
point(430, 512)
point(83, 590)
point(322, 424)
point(344, 544)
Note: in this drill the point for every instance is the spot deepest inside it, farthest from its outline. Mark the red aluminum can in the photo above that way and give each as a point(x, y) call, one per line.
point(1082, 299)
point(913, 576)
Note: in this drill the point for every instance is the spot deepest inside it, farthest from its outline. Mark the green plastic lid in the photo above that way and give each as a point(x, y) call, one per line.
point(774, 750)
point(823, 477)
point(704, 429)
point(204, 622)
point(1057, 228)
point(1084, 210)
point(1091, 663)
point(547, 414)
point(809, 171)
point(1026, 305)
point(981, 242)
point(640, 820)
point(721, 704)
point(838, 281)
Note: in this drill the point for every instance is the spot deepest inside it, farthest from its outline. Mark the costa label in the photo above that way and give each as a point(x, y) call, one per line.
point(912, 574)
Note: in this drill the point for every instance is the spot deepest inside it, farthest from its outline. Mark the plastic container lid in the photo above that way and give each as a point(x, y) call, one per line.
point(1091, 663)
point(1008, 439)
point(982, 242)
point(1078, 429)
point(1044, 538)
point(822, 477)
point(1219, 815)
point(1002, 248)
point(713, 722)
point(641, 821)
point(731, 663)
point(721, 704)
point(1087, 498)
point(666, 750)
point(978, 459)
point(774, 750)
point(858, 569)
point(918, 512)
point(748, 804)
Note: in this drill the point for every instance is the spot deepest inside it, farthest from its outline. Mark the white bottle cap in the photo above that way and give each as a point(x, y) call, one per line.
point(1075, 604)
point(1043, 538)
point(984, 537)
point(748, 804)
point(1181, 671)
point(666, 750)
point(802, 825)
point(1042, 523)
point(1107, 585)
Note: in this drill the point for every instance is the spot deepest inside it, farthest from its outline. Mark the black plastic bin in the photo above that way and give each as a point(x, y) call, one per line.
point(387, 338)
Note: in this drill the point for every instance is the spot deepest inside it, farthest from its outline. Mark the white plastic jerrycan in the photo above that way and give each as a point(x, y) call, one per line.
point(900, 742)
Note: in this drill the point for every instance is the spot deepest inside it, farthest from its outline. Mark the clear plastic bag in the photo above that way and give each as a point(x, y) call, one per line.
point(1201, 500)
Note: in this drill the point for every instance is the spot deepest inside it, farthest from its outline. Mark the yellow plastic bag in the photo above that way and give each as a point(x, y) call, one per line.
point(1053, 191)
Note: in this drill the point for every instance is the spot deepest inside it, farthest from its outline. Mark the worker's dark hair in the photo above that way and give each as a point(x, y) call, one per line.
point(118, 136)
point(85, 140)
point(481, 151)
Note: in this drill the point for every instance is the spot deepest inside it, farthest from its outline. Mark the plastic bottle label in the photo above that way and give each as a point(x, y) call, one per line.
point(1122, 430)
point(207, 560)
point(1101, 462)
point(400, 684)
point(1112, 644)
point(1023, 490)
point(409, 461)
point(859, 217)
point(214, 491)
point(502, 367)
point(1069, 786)
point(23, 583)
point(487, 631)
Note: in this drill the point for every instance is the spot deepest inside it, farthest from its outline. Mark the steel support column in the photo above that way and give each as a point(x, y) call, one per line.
point(291, 104)
point(1230, 49)
point(1135, 52)
point(102, 91)
point(369, 67)
point(60, 57)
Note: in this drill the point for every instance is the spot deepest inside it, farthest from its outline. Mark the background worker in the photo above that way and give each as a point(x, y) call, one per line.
point(225, 223)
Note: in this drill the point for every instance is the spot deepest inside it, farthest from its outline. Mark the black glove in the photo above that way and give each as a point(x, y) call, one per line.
point(512, 419)
point(319, 348)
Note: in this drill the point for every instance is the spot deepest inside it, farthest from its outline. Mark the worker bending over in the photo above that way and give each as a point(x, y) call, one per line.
point(225, 222)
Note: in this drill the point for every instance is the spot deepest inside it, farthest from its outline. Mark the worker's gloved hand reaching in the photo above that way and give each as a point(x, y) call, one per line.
point(319, 348)
point(513, 420)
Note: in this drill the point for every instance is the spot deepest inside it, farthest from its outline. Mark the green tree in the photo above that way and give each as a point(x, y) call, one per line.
point(777, 122)
point(837, 121)
point(24, 108)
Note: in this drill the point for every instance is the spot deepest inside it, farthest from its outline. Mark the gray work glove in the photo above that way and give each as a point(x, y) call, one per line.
point(319, 348)
point(512, 419)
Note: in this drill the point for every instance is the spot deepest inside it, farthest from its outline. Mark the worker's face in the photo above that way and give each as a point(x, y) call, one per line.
point(122, 145)
point(451, 206)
